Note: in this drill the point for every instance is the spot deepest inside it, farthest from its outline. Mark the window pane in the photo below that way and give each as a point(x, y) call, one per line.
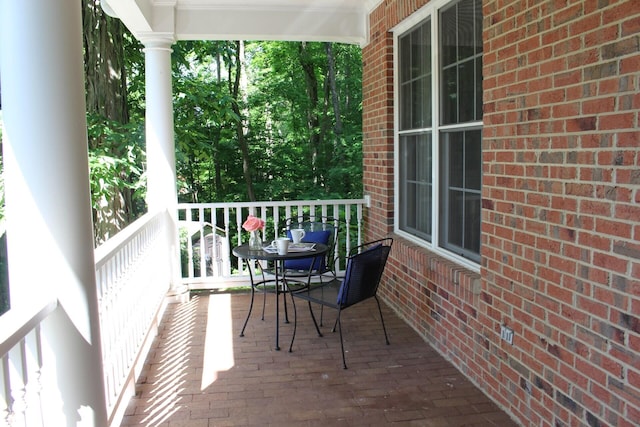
point(417, 119)
point(423, 153)
point(415, 78)
point(461, 181)
point(478, 90)
point(426, 102)
point(466, 91)
point(423, 193)
point(472, 217)
point(405, 106)
point(405, 58)
point(455, 218)
point(448, 36)
point(417, 53)
point(461, 67)
point(473, 160)
point(466, 30)
point(455, 148)
point(449, 95)
point(415, 184)
point(477, 25)
point(409, 166)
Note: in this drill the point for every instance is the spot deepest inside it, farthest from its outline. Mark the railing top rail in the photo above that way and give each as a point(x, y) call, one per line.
point(278, 203)
point(116, 242)
point(16, 323)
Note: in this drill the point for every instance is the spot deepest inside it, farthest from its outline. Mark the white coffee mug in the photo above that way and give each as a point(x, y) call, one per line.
point(282, 244)
point(297, 235)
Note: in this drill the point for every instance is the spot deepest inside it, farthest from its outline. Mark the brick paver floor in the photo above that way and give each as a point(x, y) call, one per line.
point(200, 373)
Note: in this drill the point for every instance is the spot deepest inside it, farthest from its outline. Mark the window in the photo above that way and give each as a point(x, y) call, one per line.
point(439, 127)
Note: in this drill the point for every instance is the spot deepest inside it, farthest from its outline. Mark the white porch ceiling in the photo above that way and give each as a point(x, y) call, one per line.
point(293, 20)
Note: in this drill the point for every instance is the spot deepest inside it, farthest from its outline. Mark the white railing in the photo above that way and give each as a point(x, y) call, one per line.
point(133, 275)
point(23, 362)
point(219, 225)
point(133, 272)
point(132, 284)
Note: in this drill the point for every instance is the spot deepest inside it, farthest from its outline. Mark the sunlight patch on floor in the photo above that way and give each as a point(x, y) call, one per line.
point(218, 346)
point(169, 374)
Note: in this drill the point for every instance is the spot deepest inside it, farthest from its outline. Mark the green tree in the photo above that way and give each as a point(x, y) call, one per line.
point(305, 101)
point(115, 156)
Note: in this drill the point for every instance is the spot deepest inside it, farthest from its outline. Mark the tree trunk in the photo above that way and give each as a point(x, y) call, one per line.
point(331, 67)
point(313, 122)
point(106, 95)
point(106, 84)
point(217, 135)
point(234, 89)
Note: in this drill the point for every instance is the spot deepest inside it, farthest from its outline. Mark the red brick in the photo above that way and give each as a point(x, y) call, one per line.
point(561, 152)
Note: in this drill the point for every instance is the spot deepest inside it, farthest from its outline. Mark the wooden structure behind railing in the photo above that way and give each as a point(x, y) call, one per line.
point(219, 225)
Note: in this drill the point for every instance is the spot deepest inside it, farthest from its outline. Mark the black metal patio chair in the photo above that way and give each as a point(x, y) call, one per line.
point(365, 266)
point(317, 230)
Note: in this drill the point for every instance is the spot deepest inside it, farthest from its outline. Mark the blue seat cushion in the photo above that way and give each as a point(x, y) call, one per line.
point(341, 300)
point(321, 236)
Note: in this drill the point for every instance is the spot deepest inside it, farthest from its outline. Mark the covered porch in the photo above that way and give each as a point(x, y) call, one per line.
point(200, 373)
point(81, 323)
point(545, 321)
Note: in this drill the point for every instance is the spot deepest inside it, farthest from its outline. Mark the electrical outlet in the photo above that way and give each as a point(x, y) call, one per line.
point(506, 334)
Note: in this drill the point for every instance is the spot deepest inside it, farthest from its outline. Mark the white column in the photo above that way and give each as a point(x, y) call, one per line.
point(161, 159)
point(48, 207)
point(160, 144)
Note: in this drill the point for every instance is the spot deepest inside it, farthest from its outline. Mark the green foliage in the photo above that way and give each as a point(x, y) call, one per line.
point(109, 173)
point(280, 110)
point(285, 162)
point(208, 164)
point(289, 158)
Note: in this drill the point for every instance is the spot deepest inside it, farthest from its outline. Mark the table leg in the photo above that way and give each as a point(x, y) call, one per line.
point(277, 307)
point(253, 291)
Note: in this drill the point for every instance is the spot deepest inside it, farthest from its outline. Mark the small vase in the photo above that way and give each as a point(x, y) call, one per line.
point(255, 242)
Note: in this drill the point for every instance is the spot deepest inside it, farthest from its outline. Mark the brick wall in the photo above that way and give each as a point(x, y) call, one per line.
point(561, 212)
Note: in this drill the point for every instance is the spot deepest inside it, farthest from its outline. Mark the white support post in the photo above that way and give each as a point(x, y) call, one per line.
point(160, 144)
point(48, 204)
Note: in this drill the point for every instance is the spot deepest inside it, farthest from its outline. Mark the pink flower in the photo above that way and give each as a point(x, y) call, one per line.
point(253, 223)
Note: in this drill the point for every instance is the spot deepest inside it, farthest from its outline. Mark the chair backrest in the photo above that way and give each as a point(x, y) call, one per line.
point(365, 266)
point(320, 230)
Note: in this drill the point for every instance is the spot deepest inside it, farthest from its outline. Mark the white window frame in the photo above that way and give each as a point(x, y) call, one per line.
point(430, 10)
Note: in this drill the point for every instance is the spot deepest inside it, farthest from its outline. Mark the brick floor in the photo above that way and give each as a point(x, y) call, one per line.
point(200, 373)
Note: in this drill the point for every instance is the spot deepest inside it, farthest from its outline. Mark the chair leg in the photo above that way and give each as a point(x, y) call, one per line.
point(386, 338)
point(322, 306)
point(344, 362)
point(335, 325)
point(284, 292)
point(264, 293)
point(313, 317)
point(295, 319)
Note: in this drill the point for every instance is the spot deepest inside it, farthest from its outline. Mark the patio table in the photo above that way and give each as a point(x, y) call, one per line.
point(279, 280)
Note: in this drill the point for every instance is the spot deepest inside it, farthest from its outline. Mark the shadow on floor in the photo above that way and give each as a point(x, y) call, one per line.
point(200, 373)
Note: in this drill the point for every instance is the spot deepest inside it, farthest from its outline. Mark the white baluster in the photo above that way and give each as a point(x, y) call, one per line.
point(5, 391)
point(347, 220)
point(18, 385)
point(360, 222)
point(33, 366)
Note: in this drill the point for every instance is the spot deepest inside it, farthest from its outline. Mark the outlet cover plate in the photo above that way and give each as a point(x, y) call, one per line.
point(506, 334)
